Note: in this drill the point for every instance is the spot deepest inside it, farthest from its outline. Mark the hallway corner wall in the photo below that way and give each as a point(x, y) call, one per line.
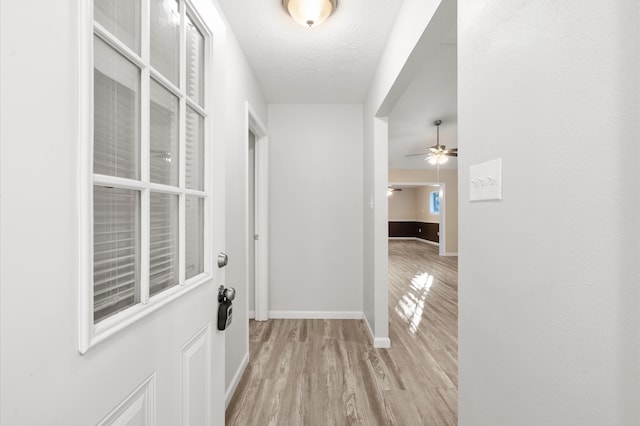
point(410, 25)
point(549, 304)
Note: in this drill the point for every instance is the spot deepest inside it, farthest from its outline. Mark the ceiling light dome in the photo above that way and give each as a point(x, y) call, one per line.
point(309, 13)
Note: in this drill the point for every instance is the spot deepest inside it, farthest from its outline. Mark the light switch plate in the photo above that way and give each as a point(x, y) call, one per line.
point(485, 181)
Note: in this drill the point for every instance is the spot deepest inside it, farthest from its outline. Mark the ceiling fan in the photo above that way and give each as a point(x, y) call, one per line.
point(437, 154)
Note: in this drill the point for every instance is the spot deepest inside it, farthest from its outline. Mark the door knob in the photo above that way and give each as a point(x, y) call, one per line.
point(226, 293)
point(223, 259)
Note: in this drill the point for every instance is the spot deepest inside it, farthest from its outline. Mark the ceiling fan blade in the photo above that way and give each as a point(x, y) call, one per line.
point(452, 154)
point(413, 155)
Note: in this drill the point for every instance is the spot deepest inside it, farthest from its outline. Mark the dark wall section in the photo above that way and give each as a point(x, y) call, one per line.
point(403, 229)
point(428, 231)
point(422, 230)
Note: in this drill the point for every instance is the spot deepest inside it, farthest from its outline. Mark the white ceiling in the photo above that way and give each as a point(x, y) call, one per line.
point(331, 63)
point(432, 95)
point(335, 62)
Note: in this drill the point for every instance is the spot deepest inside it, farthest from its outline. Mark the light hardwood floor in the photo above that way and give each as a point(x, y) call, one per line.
point(325, 372)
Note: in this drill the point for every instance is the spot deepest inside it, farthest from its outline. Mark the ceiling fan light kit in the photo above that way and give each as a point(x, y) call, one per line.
point(438, 154)
point(309, 13)
point(437, 159)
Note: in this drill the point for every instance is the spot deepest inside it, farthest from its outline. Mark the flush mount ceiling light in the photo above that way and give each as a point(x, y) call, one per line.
point(309, 13)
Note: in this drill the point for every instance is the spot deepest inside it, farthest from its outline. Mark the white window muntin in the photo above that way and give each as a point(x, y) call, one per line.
point(91, 333)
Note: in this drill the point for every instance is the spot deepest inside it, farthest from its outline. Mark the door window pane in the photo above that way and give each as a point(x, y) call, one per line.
point(148, 91)
point(195, 236)
point(116, 92)
point(164, 136)
point(116, 250)
point(195, 62)
point(163, 250)
point(165, 38)
point(122, 19)
point(194, 161)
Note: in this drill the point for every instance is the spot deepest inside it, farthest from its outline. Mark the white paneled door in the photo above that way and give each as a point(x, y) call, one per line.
point(113, 213)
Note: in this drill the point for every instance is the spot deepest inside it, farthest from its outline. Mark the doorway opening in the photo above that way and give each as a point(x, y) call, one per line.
point(417, 211)
point(257, 218)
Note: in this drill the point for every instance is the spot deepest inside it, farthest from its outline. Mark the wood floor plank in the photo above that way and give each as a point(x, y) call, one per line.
point(326, 372)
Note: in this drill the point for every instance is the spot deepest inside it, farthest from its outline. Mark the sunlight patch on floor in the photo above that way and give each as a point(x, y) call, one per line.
point(411, 305)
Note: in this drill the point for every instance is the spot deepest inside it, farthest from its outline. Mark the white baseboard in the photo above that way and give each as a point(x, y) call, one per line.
point(428, 242)
point(378, 342)
point(236, 380)
point(315, 315)
point(252, 314)
point(382, 343)
point(403, 238)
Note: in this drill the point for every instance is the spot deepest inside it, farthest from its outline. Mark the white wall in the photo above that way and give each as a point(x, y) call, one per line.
point(38, 211)
point(241, 87)
point(408, 30)
point(315, 208)
point(549, 326)
point(413, 204)
point(402, 205)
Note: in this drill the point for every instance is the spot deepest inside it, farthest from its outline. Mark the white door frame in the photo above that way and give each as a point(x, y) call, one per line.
point(442, 243)
point(261, 214)
point(442, 227)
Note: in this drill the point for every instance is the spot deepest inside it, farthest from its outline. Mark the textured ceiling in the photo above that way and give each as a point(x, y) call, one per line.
point(331, 63)
point(432, 95)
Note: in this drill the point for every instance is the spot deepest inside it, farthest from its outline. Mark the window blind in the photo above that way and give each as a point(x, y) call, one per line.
point(164, 136)
point(118, 278)
point(164, 29)
point(194, 262)
point(116, 239)
point(195, 62)
point(116, 114)
point(121, 18)
point(116, 212)
point(194, 150)
point(163, 250)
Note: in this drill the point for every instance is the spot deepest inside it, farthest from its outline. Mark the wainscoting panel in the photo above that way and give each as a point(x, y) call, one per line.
point(423, 230)
point(403, 229)
point(138, 409)
point(196, 379)
point(428, 231)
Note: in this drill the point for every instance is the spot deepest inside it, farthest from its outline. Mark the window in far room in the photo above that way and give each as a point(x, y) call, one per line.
point(434, 202)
